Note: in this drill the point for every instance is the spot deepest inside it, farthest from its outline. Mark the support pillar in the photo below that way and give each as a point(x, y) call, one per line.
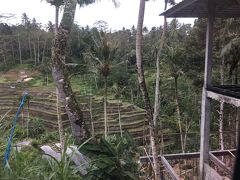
point(206, 112)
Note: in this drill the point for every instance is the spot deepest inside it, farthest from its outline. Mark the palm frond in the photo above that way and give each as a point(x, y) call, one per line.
point(85, 2)
point(227, 49)
point(116, 3)
point(171, 2)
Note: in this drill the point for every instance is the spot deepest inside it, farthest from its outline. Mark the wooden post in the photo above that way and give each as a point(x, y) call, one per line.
point(169, 168)
point(205, 114)
point(220, 164)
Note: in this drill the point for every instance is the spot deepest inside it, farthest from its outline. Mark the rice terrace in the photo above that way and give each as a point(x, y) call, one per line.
point(120, 90)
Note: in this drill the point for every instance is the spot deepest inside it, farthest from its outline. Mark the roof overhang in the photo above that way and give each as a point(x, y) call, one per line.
point(200, 9)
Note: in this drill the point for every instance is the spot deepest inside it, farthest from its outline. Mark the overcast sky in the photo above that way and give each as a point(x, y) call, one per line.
point(123, 16)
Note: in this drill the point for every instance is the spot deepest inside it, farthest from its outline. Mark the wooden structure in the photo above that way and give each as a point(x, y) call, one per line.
point(209, 9)
point(213, 156)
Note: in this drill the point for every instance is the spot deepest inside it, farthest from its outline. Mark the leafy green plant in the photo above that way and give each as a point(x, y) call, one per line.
point(63, 169)
point(49, 137)
point(36, 128)
point(26, 164)
point(112, 158)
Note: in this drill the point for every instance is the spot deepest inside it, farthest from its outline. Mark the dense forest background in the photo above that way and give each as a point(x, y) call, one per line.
point(182, 64)
point(29, 44)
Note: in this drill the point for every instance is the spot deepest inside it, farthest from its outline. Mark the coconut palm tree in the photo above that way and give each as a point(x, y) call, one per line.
point(57, 4)
point(231, 54)
point(102, 54)
point(152, 118)
point(157, 85)
point(173, 56)
point(59, 71)
point(143, 87)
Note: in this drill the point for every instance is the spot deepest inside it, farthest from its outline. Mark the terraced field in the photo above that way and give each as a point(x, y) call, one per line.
point(42, 106)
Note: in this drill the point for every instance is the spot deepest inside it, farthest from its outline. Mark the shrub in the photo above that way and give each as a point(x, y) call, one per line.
point(112, 159)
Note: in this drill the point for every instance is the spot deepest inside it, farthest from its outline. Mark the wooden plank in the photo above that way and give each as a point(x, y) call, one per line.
point(228, 86)
point(226, 99)
point(205, 133)
point(169, 168)
point(231, 92)
point(224, 152)
point(205, 110)
point(145, 159)
point(211, 174)
point(220, 164)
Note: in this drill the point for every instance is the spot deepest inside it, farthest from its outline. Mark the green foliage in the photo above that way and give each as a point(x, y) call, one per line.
point(30, 163)
point(26, 164)
point(36, 128)
point(112, 158)
point(231, 53)
point(63, 169)
point(49, 137)
point(183, 54)
point(120, 78)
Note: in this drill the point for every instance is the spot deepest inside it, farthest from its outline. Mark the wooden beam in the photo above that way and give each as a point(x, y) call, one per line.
point(145, 159)
point(205, 132)
point(226, 99)
point(226, 91)
point(169, 168)
point(205, 113)
point(210, 173)
point(220, 164)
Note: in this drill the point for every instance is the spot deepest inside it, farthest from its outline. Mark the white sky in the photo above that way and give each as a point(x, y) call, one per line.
point(123, 16)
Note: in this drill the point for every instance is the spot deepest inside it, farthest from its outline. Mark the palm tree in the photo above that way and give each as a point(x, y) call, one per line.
point(143, 87)
point(57, 4)
point(230, 55)
point(103, 53)
point(59, 71)
point(231, 51)
point(173, 56)
point(157, 85)
point(118, 91)
point(60, 75)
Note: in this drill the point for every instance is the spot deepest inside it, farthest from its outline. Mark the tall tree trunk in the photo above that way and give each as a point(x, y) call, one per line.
point(237, 108)
point(105, 107)
point(47, 79)
point(35, 54)
point(56, 18)
point(60, 124)
point(237, 126)
point(60, 75)
point(221, 114)
point(236, 74)
point(143, 87)
point(95, 80)
point(38, 47)
point(44, 49)
point(30, 49)
point(157, 88)
point(132, 96)
point(4, 53)
point(179, 114)
point(13, 56)
point(119, 117)
point(20, 50)
point(91, 115)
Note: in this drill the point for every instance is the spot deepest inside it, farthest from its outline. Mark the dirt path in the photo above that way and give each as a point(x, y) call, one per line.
point(17, 75)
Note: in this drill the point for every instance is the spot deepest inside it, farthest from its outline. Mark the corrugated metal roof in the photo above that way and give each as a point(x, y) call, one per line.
point(199, 8)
